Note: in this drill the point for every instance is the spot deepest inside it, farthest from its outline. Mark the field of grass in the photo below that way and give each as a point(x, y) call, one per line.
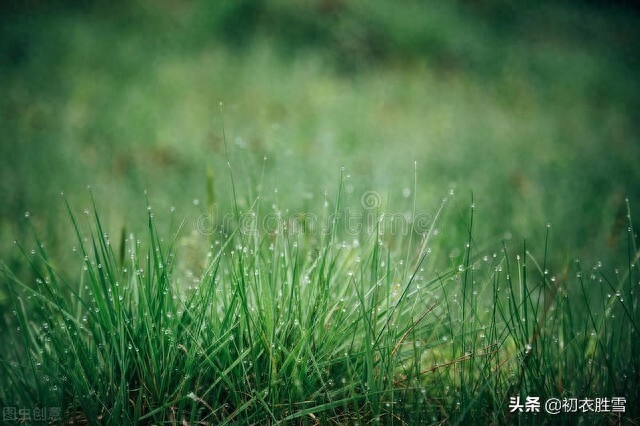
point(319, 213)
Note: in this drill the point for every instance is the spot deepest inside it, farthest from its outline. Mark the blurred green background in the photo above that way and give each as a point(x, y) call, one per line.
point(533, 106)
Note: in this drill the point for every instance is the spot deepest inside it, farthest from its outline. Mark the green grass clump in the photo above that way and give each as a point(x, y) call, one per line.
point(319, 325)
point(294, 307)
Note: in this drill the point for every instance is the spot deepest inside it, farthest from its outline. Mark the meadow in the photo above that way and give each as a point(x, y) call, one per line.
point(319, 213)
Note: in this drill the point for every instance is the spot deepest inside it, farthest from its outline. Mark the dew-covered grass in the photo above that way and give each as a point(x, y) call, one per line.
point(420, 212)
point(327, 323)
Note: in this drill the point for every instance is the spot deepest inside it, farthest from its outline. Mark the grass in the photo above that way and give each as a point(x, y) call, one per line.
point(320, 325)
point(538, 112)
point(375, 303)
